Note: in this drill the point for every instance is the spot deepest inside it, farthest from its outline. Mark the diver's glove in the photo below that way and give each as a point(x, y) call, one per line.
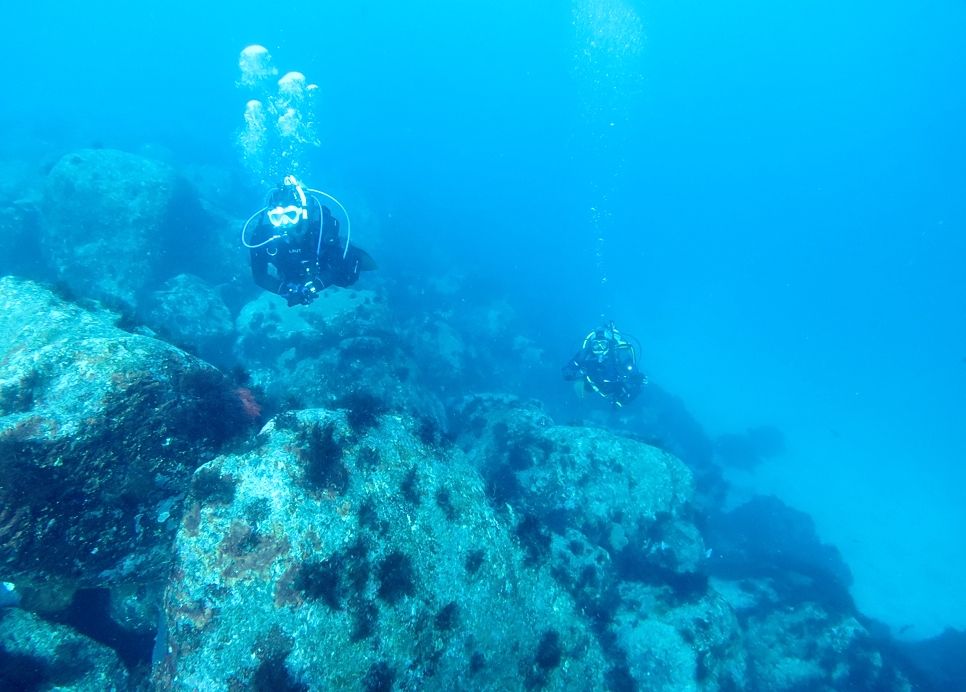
point(300, 294)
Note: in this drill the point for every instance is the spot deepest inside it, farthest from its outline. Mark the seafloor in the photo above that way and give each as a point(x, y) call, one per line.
point(201, 489)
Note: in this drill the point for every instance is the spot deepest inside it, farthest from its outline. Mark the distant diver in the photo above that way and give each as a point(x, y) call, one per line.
point(607, 364)
point(300, 238)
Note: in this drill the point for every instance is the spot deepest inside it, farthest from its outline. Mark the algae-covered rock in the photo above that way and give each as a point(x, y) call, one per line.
point(100, 430)
point(350, 557)
point(40, 655)
point(116, 225)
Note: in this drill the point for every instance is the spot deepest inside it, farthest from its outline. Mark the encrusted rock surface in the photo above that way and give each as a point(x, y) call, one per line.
point(100, 430)
point(341, 557)
point(273, 335)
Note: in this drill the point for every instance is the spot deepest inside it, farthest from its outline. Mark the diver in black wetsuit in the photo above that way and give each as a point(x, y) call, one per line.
point(607, 364)
point(300, 238)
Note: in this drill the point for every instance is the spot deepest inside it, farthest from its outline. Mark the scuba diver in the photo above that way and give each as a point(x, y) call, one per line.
point(607, 364)
point(299, 237)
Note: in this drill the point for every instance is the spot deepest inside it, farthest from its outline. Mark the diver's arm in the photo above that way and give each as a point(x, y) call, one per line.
point(575, 369)
point(629, 387)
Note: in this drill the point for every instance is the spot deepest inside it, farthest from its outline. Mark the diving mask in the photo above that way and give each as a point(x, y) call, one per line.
point(287, 216)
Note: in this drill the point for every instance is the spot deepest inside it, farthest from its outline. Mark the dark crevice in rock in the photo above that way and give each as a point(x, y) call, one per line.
point(89, 614)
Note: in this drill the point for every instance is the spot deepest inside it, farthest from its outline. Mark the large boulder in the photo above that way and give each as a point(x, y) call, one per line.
point(800, 626)
point(612, 517)
point(349, 554)
point(118, 225)
point(100, 430)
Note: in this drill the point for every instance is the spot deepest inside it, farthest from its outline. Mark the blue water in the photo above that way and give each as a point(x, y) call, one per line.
point(771, 196)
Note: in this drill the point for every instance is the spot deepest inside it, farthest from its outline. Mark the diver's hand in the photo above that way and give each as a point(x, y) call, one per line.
point(299, 294)
point(290, 292)
point(309, 291)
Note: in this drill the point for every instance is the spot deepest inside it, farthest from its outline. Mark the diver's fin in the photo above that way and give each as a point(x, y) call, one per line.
point(366, 263)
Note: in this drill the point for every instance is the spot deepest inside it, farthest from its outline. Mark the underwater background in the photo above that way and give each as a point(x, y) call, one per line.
point(770, 197)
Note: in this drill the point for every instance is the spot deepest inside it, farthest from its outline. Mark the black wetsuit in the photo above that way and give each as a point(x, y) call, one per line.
point(614, 376)
point(314, 253)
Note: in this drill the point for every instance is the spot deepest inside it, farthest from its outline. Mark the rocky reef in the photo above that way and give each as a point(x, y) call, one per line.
point(339, 505)
point(346, 556)
point(100, 431)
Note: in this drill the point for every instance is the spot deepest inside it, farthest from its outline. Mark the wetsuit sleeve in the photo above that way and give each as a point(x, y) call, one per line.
point(630, 387)
point(571, 371)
